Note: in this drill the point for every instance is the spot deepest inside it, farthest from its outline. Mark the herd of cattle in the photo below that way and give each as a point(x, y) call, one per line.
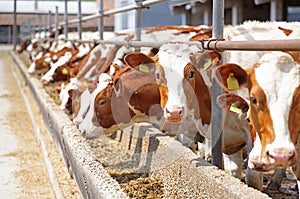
point(105, 87)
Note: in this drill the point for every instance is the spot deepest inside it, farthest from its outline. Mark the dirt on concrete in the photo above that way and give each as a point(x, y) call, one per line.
point(21, 158)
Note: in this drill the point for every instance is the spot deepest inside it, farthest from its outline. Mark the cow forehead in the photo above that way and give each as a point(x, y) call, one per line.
point(174, 57)
point(278, 76)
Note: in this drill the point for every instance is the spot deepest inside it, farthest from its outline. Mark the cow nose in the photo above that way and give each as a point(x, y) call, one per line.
point(83, 133)
point(282, 156)
point(174, 114)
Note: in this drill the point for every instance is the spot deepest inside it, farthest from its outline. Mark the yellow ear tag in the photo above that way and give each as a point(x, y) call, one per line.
point(235, 109)
point(65, 71)
point(85, 84)
point(77, 98)
point(232, 82)
point(207, 64)
point(45, 63)
point(143, 68)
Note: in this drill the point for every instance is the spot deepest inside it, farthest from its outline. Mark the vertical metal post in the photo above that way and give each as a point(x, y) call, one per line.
point(66, 19)
point(100, 20)
point(15, 25)
point(33, 27)
point(138, 21)
point(79, 20)
point(49, 20)
point(30, 27)
point(40, 29)
point(217, 137)
point(56, 22)
point(45, 26)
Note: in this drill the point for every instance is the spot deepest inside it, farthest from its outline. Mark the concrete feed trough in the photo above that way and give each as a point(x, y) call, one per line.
point(149, 153)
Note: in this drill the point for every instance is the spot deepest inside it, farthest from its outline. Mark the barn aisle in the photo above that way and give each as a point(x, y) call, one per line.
point(24, 173)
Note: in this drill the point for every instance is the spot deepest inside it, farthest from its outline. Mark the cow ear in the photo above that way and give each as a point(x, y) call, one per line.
point(139, 61)
point(232, 103)
point(295, 55)
point(231, 76)
point(286, 31)
point(134, 59)
point(206, 60)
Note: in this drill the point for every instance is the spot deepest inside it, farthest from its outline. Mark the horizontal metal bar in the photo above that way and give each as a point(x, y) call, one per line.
point(219, 45)
point(263, 45)
point(114, 11)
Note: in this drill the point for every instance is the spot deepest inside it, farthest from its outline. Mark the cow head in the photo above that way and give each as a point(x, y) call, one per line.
point(274, 106)
point(184, 90)
point(132, 94)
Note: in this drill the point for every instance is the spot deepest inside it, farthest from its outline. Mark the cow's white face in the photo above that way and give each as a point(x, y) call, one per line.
point(274, 110)
point(87, 126)
point(277, 78)
point(64, 93)
point(171, 73)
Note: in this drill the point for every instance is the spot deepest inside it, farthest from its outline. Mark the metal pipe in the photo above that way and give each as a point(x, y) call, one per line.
point(15, 26)
point(138, 21)
point(216, 117)
point(79, 20)
point(56, 22)
point(100, 20)
point(66, 19)
point(145, 4)
point(266, 45)
point(45, 26)
point(49, 20)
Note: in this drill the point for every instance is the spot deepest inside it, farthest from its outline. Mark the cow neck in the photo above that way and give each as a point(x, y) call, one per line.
point(107, 64)
point(204, 99)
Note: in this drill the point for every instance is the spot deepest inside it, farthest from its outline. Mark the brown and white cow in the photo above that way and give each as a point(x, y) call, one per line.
point(162, 33)
point(99, 60)
point(42, 61)
point(274, 108)
point(185, 95)
point(128, 95)
point(60, 70)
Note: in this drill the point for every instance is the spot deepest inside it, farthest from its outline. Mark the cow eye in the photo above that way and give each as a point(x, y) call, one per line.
point(157, 75)
point(102, 102)
point(253, 100)
point(192, 73)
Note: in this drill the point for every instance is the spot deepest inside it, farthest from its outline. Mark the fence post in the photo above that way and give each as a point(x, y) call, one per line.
point(66, 19)
point(15, 26)
point(100, 20)
point(79, 20)
point(49, 20)
point(30, 28)
point(217, 135)
point(33, 27)
point(56, 22)
point(138, 21)
point(45, 26)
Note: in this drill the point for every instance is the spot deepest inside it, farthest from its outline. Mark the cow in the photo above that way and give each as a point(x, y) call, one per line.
point(161, 33)
point(98, 62)
point(128, 95)
point(43, 59)
point(185, 93)
point(62, 69)
point(272, 106)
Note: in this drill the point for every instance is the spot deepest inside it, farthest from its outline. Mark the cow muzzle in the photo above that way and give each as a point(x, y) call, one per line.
point(282, 156)
point(174, 114)
point(277, 157)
